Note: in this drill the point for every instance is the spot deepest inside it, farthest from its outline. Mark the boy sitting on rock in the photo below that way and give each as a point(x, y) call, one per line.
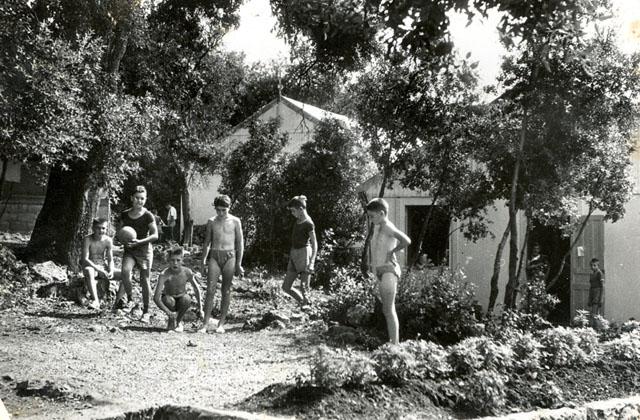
point(171, 292)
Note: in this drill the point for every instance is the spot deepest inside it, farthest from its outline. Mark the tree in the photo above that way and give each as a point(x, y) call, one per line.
point(563, 134)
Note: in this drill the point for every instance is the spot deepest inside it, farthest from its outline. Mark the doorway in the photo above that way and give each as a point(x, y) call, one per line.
point(554, 246)
point(436, 241)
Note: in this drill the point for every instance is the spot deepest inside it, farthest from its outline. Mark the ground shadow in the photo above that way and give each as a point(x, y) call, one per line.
point(144, 329)
point(65, 315)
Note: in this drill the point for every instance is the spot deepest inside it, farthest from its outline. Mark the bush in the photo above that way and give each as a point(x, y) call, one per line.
point(436, 305)
point(484, 392)
point(14, 275)
point(630, 325)
point(569, 347)
point(348, 289)
point(395, 364)
point(527, 351)
point(335, 253)
point(335, 368)
point(627, 347)
point(477, 353)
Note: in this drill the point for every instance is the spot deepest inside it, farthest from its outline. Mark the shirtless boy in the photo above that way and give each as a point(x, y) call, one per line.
point(385, 242)
point(221, 255)
point(171, 292)
point(97, 259)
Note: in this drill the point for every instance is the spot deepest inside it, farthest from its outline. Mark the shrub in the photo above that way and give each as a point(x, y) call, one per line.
point(569, 347)
point(581, 320)
point(334, 368)
point(627, 347)
point(484, 392)
point(14, 275)
point(334, 253)
point(436, 305)
point(348, 289)
point(417, 359)
point(630, 325)
point(527, 351)
point(476, 353)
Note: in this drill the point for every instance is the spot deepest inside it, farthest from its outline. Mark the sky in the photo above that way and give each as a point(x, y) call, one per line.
point(257, 38)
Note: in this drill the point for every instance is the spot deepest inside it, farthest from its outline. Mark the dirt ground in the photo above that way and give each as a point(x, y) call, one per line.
point(59, 360)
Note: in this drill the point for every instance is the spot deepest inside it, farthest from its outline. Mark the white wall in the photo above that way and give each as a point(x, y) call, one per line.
point(300, 131)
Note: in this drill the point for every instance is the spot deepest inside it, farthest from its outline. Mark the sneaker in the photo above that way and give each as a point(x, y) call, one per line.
point(95, 305)
point(145, 318)
point(179, 328)
point(220, 330)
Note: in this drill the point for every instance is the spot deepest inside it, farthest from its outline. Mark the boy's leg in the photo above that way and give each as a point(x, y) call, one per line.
point(128, 262)
point(213, 272)
point(170, 303)
point(146, 288)
point(227, 278)
point(304, 287)
point(287, 284)
point(387, 286)
point(182, 305)
point(91, 284)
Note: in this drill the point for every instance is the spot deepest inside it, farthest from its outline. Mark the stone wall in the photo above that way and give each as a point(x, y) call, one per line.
point(21, 213)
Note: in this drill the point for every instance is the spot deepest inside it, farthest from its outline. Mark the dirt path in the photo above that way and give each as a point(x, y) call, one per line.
point(99, 363)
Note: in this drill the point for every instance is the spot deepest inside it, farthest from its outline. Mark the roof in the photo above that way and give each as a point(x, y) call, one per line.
point(310, 112)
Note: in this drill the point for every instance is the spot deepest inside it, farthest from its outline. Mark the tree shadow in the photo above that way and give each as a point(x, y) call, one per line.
point(143, 329)
point(65, 315)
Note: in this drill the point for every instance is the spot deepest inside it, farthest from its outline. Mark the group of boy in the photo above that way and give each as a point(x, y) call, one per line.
point(222, 255)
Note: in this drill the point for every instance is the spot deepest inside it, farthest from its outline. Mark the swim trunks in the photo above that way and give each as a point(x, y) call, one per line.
point(221, 256)
point(299, 259)
point(142, 260)
point(393, 268)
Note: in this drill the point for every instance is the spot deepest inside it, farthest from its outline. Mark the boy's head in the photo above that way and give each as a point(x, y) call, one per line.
point(99, 226)
point(175, 256)
point(595, 264)
point(222, 203)
point(377, 210)
point(297, 204)
point(535, 249)
point(139, 196)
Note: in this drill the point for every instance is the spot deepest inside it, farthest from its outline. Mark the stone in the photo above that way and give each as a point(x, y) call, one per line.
point(51, 272)
point(278, 325)
point(342, 333)
point(97, 328)
point(357, 315)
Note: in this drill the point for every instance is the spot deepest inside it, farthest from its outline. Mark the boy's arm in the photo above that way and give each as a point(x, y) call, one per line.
point(109, 251)
point(314, 248)
point(85, 253)
point(239, 246)
point(205, 246)
point(196, 290)
point(157, 296)
point(403, 240)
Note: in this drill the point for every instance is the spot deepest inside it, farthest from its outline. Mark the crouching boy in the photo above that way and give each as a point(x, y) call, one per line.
point(97, 259)
point(171, 292)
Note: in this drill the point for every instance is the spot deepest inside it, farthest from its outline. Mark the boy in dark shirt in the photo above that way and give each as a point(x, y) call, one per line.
point(596, 283)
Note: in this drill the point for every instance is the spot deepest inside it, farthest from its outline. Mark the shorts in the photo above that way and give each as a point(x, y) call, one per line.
point(99, 275)
point(143, 260)
point(392, 268)
point(595, 296)
point(299, 259)
point(221, 256)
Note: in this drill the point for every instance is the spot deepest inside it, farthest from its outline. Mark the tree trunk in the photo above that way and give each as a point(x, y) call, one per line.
point(512, 284)
point(187, 238)
point(524, 247)
point(493, 295)
point(567, 254)
point(59, 224)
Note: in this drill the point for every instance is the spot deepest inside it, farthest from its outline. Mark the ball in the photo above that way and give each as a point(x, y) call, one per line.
point(127, 234)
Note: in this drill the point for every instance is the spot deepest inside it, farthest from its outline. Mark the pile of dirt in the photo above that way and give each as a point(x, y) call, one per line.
point(550, 389)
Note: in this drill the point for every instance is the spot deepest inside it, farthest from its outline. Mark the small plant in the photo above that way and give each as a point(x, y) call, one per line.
point(626, 347)
point(349, 289)
point(419, 359)
point(476, 353)
point(527, 351)
point(335, 368)
point(581, 320)
point(630, 325)
point(567, 347)
point(484, 392)
point(438, 306)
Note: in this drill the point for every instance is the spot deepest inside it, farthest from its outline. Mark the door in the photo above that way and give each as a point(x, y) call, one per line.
point(590, 245)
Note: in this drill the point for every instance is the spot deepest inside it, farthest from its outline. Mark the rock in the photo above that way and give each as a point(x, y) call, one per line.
point(114, 329)
point(629, 413)
point(97, 328)
point(278, 325)
point(343, 334)
point(357, 315)
point(51, 272)
point(271, 316)
point(297, 317)
point(252, 324)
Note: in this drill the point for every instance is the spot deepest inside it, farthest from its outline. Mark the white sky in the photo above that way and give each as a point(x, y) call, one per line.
point(256, 36)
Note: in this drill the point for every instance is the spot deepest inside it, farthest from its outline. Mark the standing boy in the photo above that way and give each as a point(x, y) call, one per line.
point(596, 284)
point(171, 292)
point(385, 242)
point(221, 255)
point(97, 259)
point(138, 252)
point(172, 217)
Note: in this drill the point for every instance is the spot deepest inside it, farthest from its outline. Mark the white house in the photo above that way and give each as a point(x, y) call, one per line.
point(616, 245)
point(297, 119)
